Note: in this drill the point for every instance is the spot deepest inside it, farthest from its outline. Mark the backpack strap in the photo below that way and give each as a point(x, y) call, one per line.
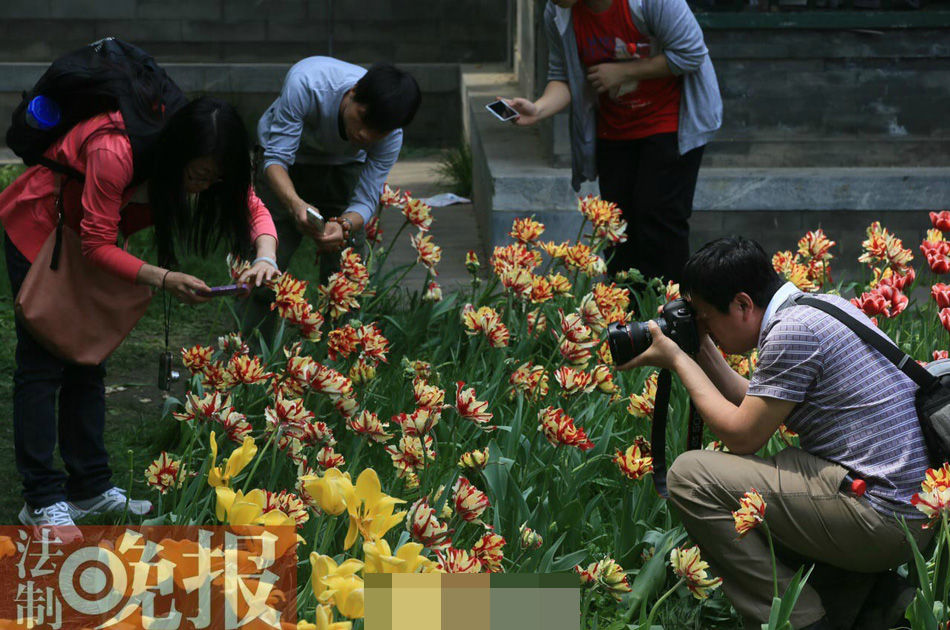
point(904, 362)
point(62, 169)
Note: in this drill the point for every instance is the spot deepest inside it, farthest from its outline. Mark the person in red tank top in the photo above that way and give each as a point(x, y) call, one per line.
point(638, 111)
point(631, 109)
point(195, 189)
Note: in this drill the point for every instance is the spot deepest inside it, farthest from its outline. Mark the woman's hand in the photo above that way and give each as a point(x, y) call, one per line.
point(529, 113)
point(258, 274)
point(183, 287)
point(661, 353)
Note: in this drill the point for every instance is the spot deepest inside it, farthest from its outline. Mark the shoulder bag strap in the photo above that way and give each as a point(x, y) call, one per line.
point(60, 221)
point(924, 379)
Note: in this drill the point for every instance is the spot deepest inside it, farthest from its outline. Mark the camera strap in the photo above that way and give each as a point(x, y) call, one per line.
point(661, 408)
point(167, 312)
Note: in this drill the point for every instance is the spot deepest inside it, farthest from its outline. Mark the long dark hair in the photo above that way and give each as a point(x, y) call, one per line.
point(204, 127)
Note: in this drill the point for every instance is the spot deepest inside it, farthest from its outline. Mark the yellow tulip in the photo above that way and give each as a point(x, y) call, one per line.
point(237, 461)
point(379, 557)
point(322, 567)
point(226, 497)
point(325, 621)
point(239, 509)
point(347, 594)
point(371, 511)
point(328, 491)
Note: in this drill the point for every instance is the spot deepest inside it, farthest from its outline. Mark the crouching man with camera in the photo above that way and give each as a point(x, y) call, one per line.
point(854, 412)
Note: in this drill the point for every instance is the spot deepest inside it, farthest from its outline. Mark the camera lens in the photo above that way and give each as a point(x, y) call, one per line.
point(619, 342)
point(640, 338)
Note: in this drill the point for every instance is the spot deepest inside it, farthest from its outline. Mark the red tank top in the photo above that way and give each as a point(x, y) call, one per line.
point(637, 109)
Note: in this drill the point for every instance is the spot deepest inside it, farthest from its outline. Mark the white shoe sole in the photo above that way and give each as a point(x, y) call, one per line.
point(67, 534)
point(77, 512)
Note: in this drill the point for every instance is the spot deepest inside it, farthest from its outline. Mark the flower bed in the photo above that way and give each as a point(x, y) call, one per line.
point(481, 430)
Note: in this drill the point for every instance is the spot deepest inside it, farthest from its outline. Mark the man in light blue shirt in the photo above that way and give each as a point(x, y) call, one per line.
point(328, 143)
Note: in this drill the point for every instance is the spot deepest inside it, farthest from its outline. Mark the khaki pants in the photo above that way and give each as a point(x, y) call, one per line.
point(807, 514)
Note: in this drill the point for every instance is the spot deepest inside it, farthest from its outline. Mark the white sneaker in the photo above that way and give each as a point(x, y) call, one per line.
point(56, 518)
point(112, 500)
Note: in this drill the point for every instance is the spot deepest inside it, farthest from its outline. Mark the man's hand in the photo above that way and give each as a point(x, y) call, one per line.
point(608, 77)
point(332, 239)
point(304, 226)
point(662, 352)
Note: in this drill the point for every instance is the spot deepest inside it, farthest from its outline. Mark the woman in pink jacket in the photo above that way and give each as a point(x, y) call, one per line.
point(195, 188)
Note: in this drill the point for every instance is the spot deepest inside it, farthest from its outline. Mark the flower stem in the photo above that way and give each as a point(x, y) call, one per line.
point(768, 536)
point(380, 296)
point(945, 533)
point(937, 556)
point(258, 458)
point(392, 243)
point(656, 606)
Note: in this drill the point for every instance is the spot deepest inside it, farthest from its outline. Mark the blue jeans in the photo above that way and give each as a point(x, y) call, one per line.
point(37, 379)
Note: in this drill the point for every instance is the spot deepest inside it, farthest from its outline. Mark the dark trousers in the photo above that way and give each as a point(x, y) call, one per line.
point(38, 378)
point(328, 188)
point(653, 185)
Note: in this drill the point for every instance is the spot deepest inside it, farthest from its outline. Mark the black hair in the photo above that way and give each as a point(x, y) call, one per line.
point(722, 268)
point(391, 97)
point(204, 127)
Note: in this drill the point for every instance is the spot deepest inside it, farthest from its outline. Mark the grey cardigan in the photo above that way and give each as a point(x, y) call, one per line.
point(673, 30)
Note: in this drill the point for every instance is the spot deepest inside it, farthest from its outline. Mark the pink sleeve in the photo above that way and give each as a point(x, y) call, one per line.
point(260, 219)
point(107, 175)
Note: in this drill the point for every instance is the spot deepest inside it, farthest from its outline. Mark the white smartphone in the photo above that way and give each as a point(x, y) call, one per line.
point(315, 219)
point(502, 110)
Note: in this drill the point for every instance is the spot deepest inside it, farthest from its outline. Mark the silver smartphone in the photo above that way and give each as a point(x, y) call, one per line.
point(502, 110)
point(316, 219)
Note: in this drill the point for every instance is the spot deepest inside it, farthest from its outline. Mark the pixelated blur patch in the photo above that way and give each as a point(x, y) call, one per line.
point(149, 577)
point(481, 601)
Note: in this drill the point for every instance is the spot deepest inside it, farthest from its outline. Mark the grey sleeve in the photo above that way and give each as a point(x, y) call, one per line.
point(678, 33)
point(290, 109)
point(790, 361)
point(556, 67)
point(379, 160)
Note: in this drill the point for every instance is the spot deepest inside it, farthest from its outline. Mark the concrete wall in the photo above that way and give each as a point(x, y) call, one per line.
point(832, 98)
point(401, 31)
point(241, 49)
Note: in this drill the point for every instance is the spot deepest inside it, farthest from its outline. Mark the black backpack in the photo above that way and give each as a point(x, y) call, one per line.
point(107, 75)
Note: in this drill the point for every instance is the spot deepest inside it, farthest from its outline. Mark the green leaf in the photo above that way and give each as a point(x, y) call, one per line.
point(496, 474)
point(568, 561)
point(653, 574)
point(921, 614)
point(548, 557)
point(792, 593)
point(919, 564)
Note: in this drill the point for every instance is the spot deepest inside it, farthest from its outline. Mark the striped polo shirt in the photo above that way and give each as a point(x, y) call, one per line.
point(855, 408)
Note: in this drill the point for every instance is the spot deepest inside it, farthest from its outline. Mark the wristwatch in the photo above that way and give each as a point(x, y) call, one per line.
point(349, 224)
